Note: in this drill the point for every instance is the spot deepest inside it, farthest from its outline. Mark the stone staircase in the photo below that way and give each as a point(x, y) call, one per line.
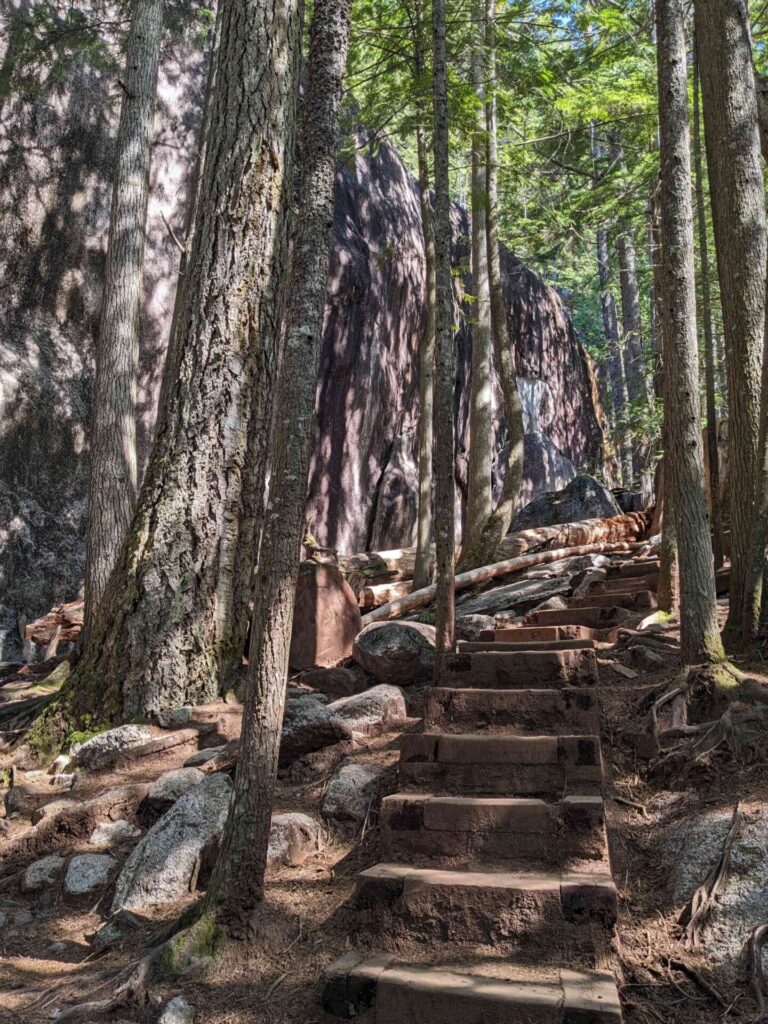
point(496, 903)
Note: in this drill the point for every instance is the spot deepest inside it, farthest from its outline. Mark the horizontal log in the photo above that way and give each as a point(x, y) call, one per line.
point(383, 593)
point(68, 618)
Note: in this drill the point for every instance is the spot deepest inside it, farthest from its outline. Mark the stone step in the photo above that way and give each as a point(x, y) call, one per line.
point(540, 908)
point(640, 600)
point(568, 833)
point(640, 567)
point(537, 634)
point(515, 646)
point(603, 618)
point(539, 712)
point(521, 669)
point(376, 989)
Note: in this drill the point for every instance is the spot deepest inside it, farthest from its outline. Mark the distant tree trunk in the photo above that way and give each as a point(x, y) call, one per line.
point(755, 612)
point(706, 322)
point(421, 572)
point(699, 632)
point(479, 479)
point(615, 358)
point(495, 529)
point(445, 372)
point(738, 216)
point(163, 634)
point(637, 389)
point(239, 880)
point(113, 482)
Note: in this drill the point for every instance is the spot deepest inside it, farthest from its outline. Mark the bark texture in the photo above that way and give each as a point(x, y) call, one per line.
point(479, 482)
point(114, 465)
point(239, 880)
point(632, 321)
point(163, 633)
point(738, 216)
point(482, 549)
point(421, 575)
point(444, 356)
point(684, 458)
point(705, 320)
point(616, 374)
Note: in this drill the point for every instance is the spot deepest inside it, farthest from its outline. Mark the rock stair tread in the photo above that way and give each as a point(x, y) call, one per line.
point(516, 712)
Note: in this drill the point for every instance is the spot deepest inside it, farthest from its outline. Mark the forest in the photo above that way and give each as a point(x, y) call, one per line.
point(384, 511)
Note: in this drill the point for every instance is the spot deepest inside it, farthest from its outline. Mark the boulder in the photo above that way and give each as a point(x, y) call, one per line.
point(692, 846)
point(87, 873)
point(380, 709)
point(396, 652)
point(519, 597)
point(160, 868)
point(309, 725)
point(351, 793)
point(174, 718)
point(583, 498)
point(293, 838)
point(341, 681)
point(203, 756)
point(326, 617)
point(177, 1011)
point(42, 873)
point(101, 749)
point(469, 627)
point(113, 833)
point(168, 787)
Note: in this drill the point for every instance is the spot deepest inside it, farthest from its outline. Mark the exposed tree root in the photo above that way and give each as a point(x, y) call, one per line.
point(757, 980)
point(695, 914)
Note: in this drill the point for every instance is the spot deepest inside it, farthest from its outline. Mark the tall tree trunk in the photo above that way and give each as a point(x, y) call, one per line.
point(113, 483)
point(738, 216)
point(495, 529)
point(615, 359)
point(699, 633)
point(163, 633)
point(445, 372)
point(421, 572)
point(632, 322)
point(479, 479)
point(239, 879)
point(706, 322)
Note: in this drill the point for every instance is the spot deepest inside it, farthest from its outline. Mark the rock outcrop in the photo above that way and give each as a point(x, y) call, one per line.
point(55, 168)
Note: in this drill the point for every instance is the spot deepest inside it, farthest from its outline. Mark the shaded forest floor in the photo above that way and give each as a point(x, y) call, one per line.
point(48, 961)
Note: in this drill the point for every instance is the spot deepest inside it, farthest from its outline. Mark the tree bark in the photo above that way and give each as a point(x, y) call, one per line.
point(114, 474)
point(421, 574)
point(445, 372)
point(239, 875)
point(738, 216)
point(615, 359)
point(479, 480)
point(706, 322)
point(684, 457)
point(632, 322)
point(162, 636)
point(484, 547)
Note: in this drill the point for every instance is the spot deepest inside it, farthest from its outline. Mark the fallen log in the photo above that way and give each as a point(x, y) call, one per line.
point(63, 622)
point(419, 598)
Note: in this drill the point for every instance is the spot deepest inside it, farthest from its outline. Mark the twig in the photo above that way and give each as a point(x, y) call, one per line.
point(179, 244)
point(709, 988)
point(631, 803)
point(694, 915)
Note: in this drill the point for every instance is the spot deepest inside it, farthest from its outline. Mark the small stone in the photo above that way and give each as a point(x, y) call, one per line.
point(310, 725)
point(62, 762)
point(121, 924)
point(177, 1011)
point(401, 653)
point(175, 717)
point(469, 627)
point(622, 670)
point(102, 748)
point(351, 792)
point(293, 838)
point(168, 787)
point(42, 873)
point(203, 756)
point(113, 833)
point(56, 947)
point(380, 709)
point(23, 918)
point(88, 872)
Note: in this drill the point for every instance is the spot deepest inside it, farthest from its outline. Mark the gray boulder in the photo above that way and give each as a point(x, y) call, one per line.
point(177, 1011)
point(378, 710)
point(113, 833)
point(102, 748)
point(42, 873)
point(160, 868)
point(87, 873)
point(202, 756)
point(469, 627)
point(168, 787)
point(341, 681)
point(583, 498)
point(396, 652)
point(293, 837)
point(692, 846)
point(519, 597)
point(310, 725)
point(351, 792)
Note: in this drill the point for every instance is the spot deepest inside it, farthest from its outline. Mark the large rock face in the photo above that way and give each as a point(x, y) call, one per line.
point(56, 157)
